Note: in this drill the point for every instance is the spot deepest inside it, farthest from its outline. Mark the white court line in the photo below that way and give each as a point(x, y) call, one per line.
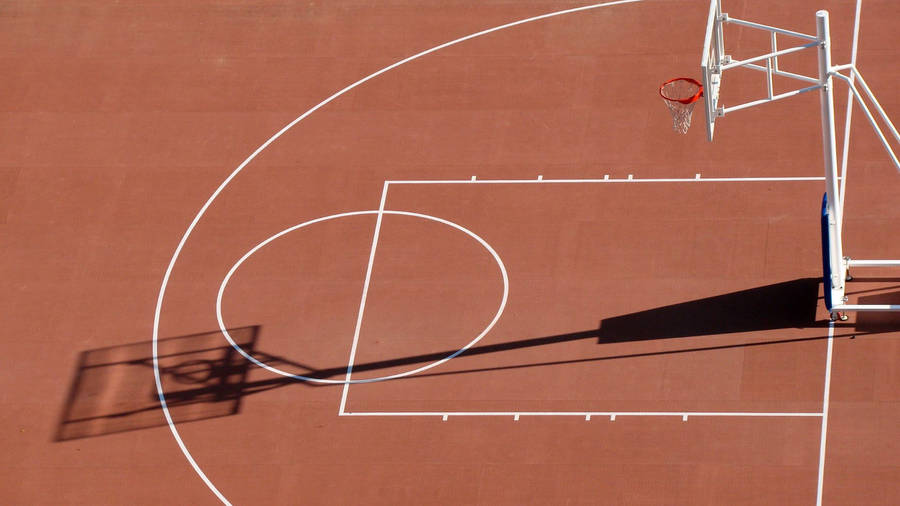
point(825, 402)
point(190, 229)
point(223, 326)
point(849, 116)
point(612, 180)
point(365, 294)
point(588, 414)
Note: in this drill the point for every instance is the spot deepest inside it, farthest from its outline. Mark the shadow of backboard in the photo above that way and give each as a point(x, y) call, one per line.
point(114, 389)
point(791, 304)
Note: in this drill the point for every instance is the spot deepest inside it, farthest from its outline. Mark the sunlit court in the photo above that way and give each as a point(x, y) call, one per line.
point(636, 252)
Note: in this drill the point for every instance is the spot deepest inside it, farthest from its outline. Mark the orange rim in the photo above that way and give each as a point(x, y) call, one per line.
point(689, 100)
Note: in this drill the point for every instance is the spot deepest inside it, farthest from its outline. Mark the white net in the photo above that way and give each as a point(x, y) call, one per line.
point(675, 93)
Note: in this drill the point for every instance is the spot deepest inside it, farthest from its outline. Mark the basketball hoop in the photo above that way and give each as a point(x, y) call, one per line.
point(680, 95)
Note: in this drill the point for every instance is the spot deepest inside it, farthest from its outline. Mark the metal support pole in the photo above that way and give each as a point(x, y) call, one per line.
point(826, 95)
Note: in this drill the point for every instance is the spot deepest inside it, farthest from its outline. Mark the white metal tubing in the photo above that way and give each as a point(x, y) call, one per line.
point(774, 39)
point(826, 96)
point(713, 15)
point(873, 263)
point(874, 100)
point(771, 64)
point(866, 307)
point(711, 82)
point(720, 35)
point(768, 28)
point(872, 121)
point(782, 96)
point(739, 63)
point(782, 73)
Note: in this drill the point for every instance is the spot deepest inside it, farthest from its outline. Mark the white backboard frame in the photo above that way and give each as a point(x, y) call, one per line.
point(711, 65)
point(714, 63)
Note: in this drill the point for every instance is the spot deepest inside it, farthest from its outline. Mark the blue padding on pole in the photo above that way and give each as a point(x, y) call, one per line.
point(826, 254)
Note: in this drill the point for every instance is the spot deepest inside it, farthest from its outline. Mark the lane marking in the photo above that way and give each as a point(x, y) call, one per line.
point(223, 327)
point(825, 402)
point(607, 179)
point(365, 294)
point(178, 249)
point(611, 414)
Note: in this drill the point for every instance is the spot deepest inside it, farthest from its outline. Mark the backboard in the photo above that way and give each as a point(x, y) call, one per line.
point(711, 65)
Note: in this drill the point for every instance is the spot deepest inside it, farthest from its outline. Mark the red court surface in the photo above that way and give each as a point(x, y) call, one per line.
point(571, 303)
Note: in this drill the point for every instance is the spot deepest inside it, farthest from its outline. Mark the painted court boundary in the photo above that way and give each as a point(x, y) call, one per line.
point(187, 233)
point(606, 179)
point(194, 222)
point(587, 415)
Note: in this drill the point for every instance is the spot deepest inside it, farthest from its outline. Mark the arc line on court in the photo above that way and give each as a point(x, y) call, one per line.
point(169, 268)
